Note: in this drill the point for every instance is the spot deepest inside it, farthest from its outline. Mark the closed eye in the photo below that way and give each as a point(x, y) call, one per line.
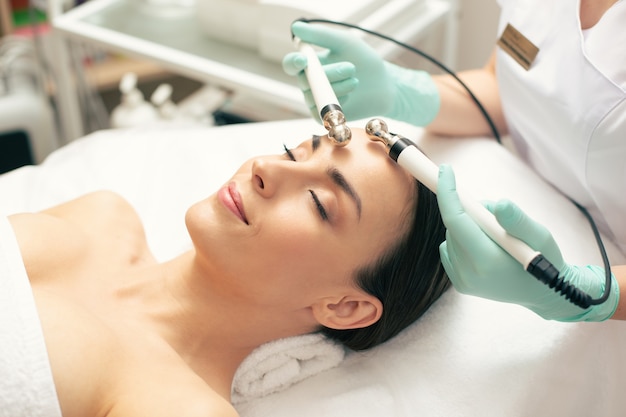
point(319, 205)
point(289, 153)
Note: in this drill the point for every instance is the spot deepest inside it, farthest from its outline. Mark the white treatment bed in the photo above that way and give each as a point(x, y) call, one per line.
point(466, 357)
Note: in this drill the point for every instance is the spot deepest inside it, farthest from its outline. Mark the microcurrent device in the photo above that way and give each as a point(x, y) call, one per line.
point(408, 156)
point(331, 114)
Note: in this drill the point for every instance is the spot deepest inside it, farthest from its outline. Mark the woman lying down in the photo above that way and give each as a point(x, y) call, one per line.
point(320, 238)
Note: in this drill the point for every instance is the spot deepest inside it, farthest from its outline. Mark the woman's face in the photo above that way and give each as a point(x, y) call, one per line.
point(296, 226)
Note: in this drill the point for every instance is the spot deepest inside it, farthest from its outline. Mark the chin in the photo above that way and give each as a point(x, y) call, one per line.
point(201, 217)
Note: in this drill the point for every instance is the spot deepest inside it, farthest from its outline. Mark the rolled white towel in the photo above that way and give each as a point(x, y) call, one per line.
point(278, 364)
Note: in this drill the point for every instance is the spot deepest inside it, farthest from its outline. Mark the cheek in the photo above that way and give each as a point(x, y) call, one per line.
point(289, 243)
point(298, 258)
point(287, 239)
point(289, 251)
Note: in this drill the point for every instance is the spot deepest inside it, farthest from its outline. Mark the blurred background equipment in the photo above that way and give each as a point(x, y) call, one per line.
point(242, 56)
point(83, 48)
point(28, 129)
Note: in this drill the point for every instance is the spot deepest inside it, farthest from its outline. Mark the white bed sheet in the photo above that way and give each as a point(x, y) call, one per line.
point(466, 357)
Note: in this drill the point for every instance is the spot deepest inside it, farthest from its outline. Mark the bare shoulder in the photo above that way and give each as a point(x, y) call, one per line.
point(102, 371)
point(93, 210)
point(62, 237)
point(175, 400)
point(105, 206)
point(108, 221)
point(211, 405)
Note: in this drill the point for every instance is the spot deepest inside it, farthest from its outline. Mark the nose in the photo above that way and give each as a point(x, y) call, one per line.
point(269, 174)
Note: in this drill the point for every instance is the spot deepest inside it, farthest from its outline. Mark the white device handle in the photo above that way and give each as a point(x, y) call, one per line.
point(321, 89)
point(422, 168)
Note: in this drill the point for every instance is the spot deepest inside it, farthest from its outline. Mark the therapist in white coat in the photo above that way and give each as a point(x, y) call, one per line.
point(556, 83)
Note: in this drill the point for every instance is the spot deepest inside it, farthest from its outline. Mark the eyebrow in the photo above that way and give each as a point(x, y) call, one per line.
point(338, 178)
point(315, 142)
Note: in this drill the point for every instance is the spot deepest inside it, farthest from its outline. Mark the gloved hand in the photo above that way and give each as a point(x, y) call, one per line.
point(364, 83)
point(478, 266)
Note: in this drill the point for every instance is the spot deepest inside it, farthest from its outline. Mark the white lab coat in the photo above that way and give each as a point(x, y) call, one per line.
point(567, 113)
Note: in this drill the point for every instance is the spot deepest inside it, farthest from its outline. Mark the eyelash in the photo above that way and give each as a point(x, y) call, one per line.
point(320, 207)
point(289, 153)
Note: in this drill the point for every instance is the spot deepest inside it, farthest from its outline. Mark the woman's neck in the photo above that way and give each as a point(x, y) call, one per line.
point(178, 301)
point(169, 301)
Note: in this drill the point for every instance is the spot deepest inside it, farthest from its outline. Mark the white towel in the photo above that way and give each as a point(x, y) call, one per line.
point(26, 384)
point(276, 365)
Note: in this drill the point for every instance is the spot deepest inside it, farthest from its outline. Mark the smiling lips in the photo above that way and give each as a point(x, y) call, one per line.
point(231, 198)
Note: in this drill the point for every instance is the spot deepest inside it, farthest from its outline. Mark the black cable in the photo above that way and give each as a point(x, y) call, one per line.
point(423, 54)
point(605, 257)
point(548, 275)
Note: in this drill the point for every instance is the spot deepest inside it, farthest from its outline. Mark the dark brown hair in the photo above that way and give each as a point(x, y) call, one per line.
point(407, 279)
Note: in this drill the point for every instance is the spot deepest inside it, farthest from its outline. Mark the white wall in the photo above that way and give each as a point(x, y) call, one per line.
point(478, 24)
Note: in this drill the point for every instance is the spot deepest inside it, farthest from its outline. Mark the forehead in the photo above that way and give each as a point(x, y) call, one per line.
point(361, 154)
point(385, 188)
point(387, 191)
point(378, 174)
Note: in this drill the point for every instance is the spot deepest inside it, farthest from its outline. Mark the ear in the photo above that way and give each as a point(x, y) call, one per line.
point(348, 312)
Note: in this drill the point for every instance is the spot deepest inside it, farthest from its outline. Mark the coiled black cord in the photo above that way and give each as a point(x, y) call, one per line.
point(545, 272)
point(550, 276)
point(540, 268)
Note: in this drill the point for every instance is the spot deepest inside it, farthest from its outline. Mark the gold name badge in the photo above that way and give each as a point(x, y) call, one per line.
point(518, 46)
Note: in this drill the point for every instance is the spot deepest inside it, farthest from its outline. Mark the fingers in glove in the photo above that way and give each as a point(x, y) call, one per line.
point(341, 88)
point(294, 62)
point(518, 224)
point(463, 234)
point(320, 35)
point(450, 267)
point(340, 75)
point(452, 211)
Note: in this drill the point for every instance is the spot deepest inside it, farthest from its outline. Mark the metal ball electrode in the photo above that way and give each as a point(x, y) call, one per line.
point(377, 130)
point(338, 132)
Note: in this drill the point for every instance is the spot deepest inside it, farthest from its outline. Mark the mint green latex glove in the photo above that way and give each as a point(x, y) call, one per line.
point(478, 266)
point(364, 83)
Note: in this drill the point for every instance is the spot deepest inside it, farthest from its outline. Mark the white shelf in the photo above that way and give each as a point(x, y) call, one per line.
point(179, 44)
